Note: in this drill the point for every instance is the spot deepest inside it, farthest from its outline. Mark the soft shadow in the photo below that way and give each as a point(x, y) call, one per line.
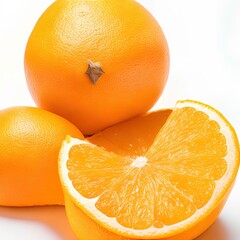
point(53, 216)
point(217, 231)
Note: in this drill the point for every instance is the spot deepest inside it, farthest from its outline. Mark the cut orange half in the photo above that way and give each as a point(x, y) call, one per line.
point(172, 187)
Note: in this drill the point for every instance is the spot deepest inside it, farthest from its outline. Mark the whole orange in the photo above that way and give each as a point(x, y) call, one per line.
point(96, 63)
point(30, 142)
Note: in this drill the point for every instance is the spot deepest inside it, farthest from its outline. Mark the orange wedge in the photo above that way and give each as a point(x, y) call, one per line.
point(144, 180)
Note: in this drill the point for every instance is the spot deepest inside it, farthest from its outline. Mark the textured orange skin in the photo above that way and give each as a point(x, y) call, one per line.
point(140, 133)
point(122, 36)
point(30, 142)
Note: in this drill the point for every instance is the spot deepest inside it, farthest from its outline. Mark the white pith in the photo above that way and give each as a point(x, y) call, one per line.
point(139, 162)
point(88, 205)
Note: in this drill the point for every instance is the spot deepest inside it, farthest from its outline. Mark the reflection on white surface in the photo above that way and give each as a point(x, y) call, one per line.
point(204, 41)
point(38, 223)
point(16, 229)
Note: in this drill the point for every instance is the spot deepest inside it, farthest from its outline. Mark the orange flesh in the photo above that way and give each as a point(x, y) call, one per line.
point(159, 183)
point(133, 137)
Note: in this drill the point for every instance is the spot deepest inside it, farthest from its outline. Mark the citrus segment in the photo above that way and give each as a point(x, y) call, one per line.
point(177, 182)
point(134, 136)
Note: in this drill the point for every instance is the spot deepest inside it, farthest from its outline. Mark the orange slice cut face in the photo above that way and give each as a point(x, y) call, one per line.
point(168, 185)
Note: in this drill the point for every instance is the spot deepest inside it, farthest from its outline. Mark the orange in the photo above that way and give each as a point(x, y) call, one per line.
point(173, 187)
point(96, 63)
point(132, 137)
point(30, 142)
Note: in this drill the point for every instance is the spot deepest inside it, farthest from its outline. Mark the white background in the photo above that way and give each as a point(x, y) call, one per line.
point(204, 42)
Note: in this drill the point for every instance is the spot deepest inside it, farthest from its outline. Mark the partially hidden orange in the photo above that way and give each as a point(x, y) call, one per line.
point(96, 63)
point(165, 175)
point(30, 142)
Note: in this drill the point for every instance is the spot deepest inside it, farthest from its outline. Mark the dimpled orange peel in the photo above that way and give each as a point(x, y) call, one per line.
point(96, 63)
point(30, 142)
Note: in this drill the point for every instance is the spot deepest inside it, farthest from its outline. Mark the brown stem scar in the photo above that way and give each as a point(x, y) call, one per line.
point(94, 71)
